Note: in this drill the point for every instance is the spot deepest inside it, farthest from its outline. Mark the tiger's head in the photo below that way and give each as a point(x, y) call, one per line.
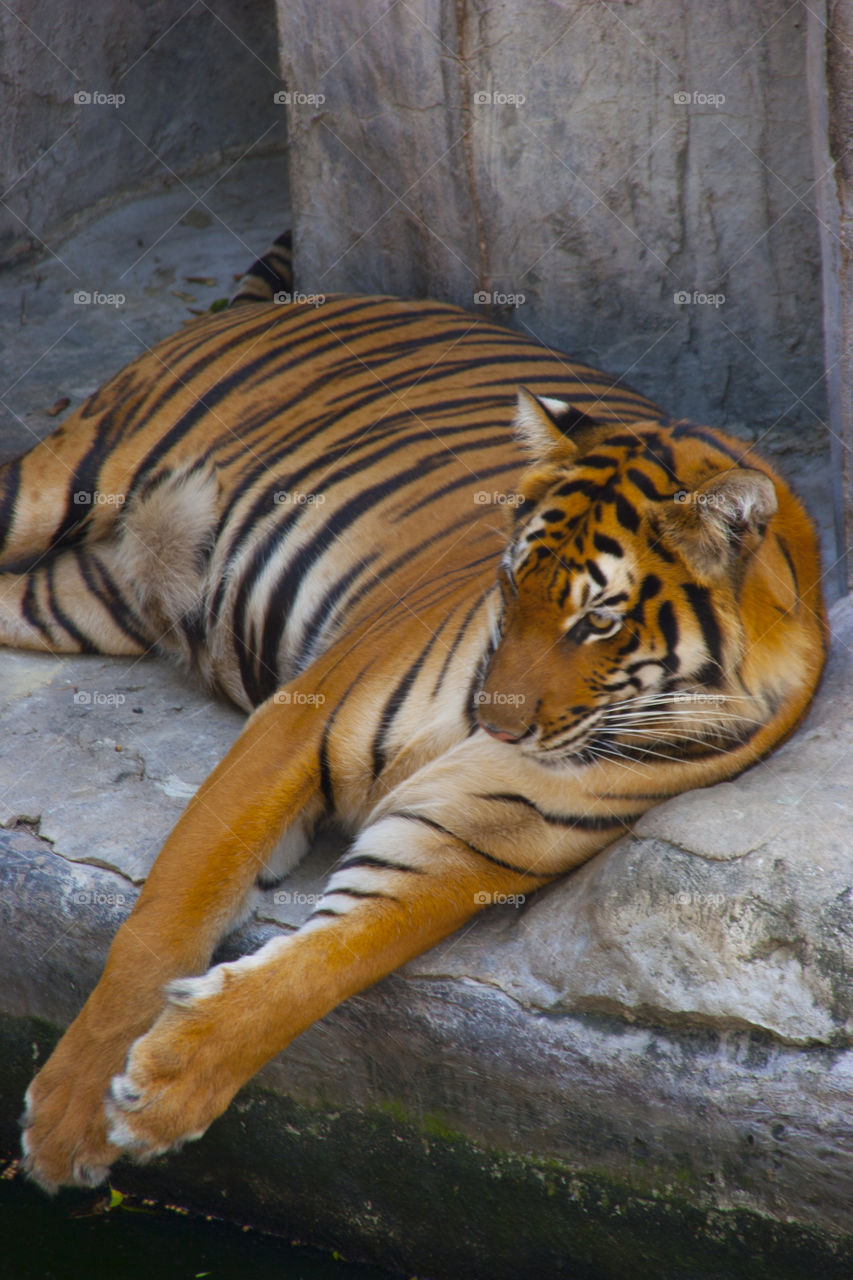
point(659, 599)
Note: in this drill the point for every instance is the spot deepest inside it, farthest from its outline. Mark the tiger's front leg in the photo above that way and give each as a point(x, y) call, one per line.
point(197, 890)
point(218, 1030)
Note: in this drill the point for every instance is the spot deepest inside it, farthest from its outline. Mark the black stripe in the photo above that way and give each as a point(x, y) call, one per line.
point(436, 590)
point(262, 680)
point(668, 624)
point(107, 591)
point(359, 893)
point(436, 826)
point(11, 474)
point(686, 430)
point(30, 610)
point(580, 822)
point(325, 608)
point(461, 482)
point(626, 512)
point(368, 860)
point(783, 547)
point(703, 609)
point(597, 460)
point(60, 616)
point(300, 480)
point(595, 573)
point(644, 484)
point(457, 640)
point(606, 545)
point(326, 780)
point(395, 701)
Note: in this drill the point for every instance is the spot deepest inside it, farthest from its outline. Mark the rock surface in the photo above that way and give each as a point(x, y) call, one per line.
point(631, 183)
point(674, 1018)
point(103, 99)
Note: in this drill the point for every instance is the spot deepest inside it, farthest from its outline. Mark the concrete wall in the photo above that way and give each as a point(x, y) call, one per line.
point(594, 159)
point(197, 85)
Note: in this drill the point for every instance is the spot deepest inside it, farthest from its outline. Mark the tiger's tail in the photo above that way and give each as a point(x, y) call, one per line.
point(270, 276)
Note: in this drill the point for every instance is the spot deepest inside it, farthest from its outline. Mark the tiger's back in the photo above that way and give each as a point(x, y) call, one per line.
point(271, 468)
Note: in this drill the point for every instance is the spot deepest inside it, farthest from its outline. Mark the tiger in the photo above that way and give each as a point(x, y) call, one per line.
point(484, 606)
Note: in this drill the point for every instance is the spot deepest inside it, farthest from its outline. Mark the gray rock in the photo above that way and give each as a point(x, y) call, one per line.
point(99, 101)
point(673, 1018)
point(581, 166)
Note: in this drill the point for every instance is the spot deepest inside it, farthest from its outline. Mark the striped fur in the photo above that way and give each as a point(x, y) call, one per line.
point(485, 651)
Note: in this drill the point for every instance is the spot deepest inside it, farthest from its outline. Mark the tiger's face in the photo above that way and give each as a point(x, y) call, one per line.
point(619, 633)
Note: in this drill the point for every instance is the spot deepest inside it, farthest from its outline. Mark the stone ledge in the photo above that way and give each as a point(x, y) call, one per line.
point(664, 1035)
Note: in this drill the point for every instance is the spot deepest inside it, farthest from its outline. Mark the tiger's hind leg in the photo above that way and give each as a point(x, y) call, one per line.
point(72, 604)
point(134, 589)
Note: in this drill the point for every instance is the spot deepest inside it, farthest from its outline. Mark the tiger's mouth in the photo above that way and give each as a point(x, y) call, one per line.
point(662, 726)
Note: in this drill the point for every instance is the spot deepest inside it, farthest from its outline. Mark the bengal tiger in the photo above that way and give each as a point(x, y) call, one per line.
point(485, 606)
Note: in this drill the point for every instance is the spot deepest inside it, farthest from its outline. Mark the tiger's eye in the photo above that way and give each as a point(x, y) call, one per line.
point(598, 620)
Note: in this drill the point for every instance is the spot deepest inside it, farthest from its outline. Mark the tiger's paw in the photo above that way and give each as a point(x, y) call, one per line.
point(177, 1078)
point(64, 1138)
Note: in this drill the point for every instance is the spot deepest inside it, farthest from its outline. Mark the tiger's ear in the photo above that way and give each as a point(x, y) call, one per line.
point(543, 427)
point(721, 519)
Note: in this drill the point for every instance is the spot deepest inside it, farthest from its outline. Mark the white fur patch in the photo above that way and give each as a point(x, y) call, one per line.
point(165, 539)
